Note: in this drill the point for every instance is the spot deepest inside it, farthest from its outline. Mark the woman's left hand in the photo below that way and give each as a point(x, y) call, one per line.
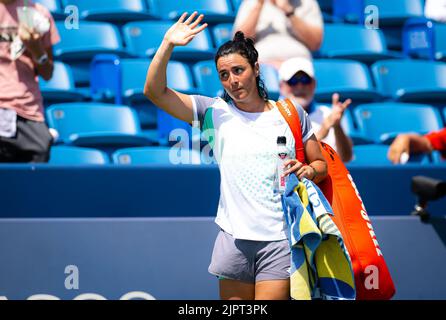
point(301, 170)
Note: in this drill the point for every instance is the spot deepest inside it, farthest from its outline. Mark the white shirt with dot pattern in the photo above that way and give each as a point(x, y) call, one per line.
point(244, 146)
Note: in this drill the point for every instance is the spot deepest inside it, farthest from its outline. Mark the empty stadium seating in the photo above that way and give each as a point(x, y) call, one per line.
point(95, 125)
point(391, 15)
point(60, 88)
point(66, 155)
point(221, 33)
point(116, 11)
point(381, 122)
point(354, 42)
point(423, 38)
point(411, 80)
point(206, 77)
point(215, 11)
point(393, 12)
point(376, 155)
point(79, 46)
point(144, 38)
point(122, 80)
point(351, 79)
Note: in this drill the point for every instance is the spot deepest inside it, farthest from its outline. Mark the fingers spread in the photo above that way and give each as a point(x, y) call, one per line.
point(191, 18)
point(183, 16)
point(197, 21)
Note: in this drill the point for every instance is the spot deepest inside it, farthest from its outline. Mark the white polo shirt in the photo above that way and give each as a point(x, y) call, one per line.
point(244, 145)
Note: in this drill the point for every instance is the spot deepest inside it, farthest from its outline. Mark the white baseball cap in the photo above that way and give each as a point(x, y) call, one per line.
point(291, 66)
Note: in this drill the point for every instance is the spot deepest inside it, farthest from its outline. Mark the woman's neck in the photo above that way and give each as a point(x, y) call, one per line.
point(255, 105)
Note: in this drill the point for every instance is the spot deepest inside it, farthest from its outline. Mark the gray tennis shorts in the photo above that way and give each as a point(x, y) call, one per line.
point(250, 261)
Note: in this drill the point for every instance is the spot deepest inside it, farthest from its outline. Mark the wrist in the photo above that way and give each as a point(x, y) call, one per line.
point(314, 172)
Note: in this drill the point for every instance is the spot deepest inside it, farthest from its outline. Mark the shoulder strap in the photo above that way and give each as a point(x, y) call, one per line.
point(289, 112)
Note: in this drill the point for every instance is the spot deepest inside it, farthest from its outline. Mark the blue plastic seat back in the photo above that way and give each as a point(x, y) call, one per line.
point(61, 87)
point(351, 79)
point(80, 118)
point(105, 78)
point(361, 42)
point(66, 155)
point(393, 12)
point(381, 122)
point(110, 10)
point(143, 39)
point(400, 78)
point(54, 8)
point(156, 155)
point(214, 10)
point(206, 77)
point(62, 79)
point(376, 155)
point(222, 33)
point(440, 43)
point(89, 39)
point(270, 77)
point(134, 72)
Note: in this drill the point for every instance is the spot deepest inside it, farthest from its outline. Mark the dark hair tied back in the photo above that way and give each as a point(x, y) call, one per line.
point(244, 47)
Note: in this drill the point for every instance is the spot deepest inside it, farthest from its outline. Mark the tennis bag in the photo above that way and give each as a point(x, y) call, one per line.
point(372, 277)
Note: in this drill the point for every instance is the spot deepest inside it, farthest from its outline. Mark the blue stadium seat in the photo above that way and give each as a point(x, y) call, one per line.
point(381, 122)
point(424, 38)
point(206, 77)
point(95, 124)
point(351, 79)
point(270, 77)
point(66, 155)
point(393, 12)
point(411, 80)
point(116, 11)
point(54, 7)
point(144, 38)
point(122, 80)
point(215, 11)
point(222, 33)
point(156, 155)
point(79, 46)
point(365, 45)
point(90, 39)
point(60, 88)
point(376, 155)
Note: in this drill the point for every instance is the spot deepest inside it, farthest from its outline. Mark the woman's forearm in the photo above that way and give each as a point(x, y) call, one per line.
point(320, 169)
point(156, 80)
point(310, 35)
point(249, 25)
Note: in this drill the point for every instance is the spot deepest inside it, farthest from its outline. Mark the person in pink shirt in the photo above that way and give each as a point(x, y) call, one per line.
point(25, 54)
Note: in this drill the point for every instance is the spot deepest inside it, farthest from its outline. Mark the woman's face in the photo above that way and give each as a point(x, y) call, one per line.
point(238, 77)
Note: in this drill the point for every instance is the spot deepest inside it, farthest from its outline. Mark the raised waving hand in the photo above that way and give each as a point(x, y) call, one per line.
point(182, 32)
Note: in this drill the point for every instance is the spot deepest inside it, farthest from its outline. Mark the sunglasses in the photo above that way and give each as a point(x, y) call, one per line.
point(296, 79)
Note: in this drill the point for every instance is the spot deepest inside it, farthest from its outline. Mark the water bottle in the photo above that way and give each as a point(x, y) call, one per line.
point(282, 156)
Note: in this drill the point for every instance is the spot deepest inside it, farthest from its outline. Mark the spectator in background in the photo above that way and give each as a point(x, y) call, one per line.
point(435, 10)
point(413, 143)
point(298, 83)
point(282, 29)
point(25, 53)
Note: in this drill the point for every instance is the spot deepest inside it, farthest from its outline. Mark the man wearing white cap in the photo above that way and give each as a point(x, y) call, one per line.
point(298, 83)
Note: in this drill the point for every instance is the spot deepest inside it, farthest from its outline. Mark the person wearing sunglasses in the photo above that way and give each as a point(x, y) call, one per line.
point(298, 83)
